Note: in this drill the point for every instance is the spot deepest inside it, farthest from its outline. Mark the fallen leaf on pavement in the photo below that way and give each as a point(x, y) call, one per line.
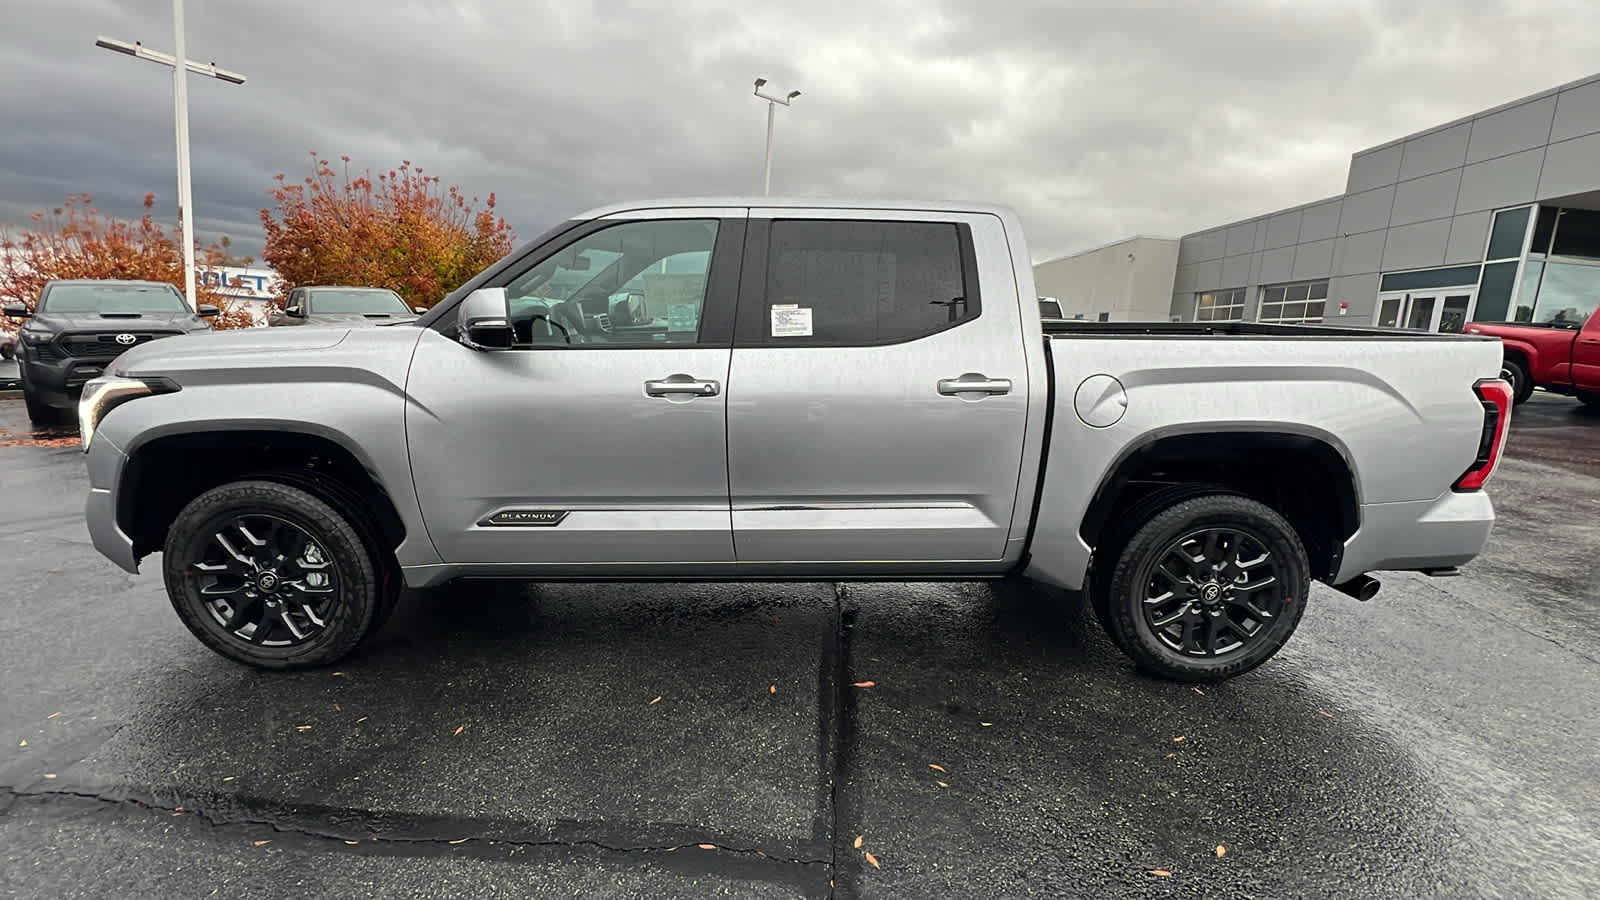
point(1198, 691)
point(230, 778)
point(858, 841)
point(773, 689)
point(874, 860)
point(460, 728)
point(1221, 850)
point(1161, 873)
point(986, 724)
point(1326, 713)
point(865, 684)
point(461, 841)
point(1178, 739)
point(22, 743)
point(936, 767)
point(338, 708)
point(653, 702)
point(178, 809)
point(707, 846)
point(52, 715)
point(1169, 755)
point(362, 719)
point(302, 728)
point(337, 674)
point(260, 843)
point(50, 775)
point(941, 784)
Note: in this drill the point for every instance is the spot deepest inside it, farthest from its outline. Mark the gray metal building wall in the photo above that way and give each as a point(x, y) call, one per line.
point(1423, 201)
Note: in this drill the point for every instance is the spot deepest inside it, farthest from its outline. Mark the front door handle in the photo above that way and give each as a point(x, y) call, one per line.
point(973, 383)
point(681, 384)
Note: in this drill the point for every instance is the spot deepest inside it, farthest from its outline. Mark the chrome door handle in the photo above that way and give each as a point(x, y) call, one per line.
point(681, 384)
point(974, 384)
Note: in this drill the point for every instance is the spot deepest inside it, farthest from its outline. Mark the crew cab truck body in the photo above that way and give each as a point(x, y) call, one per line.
point(805, 392)
point(1562, 356)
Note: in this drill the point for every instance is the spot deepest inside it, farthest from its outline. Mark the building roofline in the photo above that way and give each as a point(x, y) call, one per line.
point(1107, 245)
point(1539, 95)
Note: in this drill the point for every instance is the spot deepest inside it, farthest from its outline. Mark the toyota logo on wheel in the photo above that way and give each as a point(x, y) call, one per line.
point(126, 339)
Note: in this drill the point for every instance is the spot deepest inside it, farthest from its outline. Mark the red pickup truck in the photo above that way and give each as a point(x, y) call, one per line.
point(1562, 357)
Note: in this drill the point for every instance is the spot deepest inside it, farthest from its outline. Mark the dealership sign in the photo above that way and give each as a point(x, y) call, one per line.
point(239, 282)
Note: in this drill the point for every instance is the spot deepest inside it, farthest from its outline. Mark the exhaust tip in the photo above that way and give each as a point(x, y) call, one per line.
point(1361, 587)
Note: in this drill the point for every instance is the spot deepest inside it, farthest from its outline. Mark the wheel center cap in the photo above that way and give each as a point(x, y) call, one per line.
point(1210, 592)
point(267, 582)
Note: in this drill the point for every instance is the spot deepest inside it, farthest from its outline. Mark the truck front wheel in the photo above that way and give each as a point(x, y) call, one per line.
point(271, 576)
point(1207, 588)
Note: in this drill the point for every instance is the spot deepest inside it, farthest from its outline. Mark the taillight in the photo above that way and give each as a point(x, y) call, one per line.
point(1495, 395)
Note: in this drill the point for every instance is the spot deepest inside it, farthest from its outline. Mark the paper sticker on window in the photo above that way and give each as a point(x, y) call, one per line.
point(791, 320)
point(682, 317)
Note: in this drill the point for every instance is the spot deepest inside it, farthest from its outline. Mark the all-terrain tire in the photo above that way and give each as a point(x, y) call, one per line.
point(1153, 541)
point(358, 594)
point(39, 412)
point(1515, 371)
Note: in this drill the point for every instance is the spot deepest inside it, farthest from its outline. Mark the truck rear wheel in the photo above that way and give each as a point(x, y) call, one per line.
point(271, 576)
point(1515, 372)
point(1207, 588)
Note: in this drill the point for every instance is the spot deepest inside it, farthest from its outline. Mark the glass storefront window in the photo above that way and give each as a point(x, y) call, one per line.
point(1531, 270)
point(1505, 240)
point(1568, 294)
point(1577, 234)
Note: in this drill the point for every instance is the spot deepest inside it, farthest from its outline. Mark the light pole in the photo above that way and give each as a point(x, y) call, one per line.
point(180, 102)
point(772, 109)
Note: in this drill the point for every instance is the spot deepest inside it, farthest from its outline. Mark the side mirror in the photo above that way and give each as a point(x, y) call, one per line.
point(483, 321)
point(208, 311)
point(419, 310)
point(17, 311)
point(294, 311)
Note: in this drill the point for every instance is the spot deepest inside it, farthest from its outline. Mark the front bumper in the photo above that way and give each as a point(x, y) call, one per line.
point(106, 461)
point(1447, 531)
point(59, 382)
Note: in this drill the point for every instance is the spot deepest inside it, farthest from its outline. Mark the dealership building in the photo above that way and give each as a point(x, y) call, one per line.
point(1492, 217)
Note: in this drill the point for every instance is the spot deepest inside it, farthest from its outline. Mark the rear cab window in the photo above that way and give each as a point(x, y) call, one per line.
point(833, 282)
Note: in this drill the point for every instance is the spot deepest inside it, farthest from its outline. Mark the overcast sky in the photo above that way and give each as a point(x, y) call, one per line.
point(1096, 121)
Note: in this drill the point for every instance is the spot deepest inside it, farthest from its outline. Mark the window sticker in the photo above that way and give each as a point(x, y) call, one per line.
point(791, 320)
point(683, 317)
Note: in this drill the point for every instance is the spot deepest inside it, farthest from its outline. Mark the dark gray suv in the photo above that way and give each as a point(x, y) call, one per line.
point(78, 326)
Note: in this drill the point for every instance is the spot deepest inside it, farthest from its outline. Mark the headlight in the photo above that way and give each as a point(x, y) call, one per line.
point(35, 338)
point(103, 394)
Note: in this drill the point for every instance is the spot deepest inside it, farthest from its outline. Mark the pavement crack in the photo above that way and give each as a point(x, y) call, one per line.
point(839, 726)
point(12, 799)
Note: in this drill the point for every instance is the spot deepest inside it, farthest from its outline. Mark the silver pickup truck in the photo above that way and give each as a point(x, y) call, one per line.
point(748, 389)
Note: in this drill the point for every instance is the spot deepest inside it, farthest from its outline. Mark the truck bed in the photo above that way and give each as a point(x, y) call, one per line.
point(1076, 328)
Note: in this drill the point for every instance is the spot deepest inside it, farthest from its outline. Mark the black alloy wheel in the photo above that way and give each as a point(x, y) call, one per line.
point(266, 581)
point(1211, 592)
point(270, 575)
point(1206, 588)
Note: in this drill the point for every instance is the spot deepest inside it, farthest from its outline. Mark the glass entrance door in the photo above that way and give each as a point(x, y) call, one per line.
point(1435, 310)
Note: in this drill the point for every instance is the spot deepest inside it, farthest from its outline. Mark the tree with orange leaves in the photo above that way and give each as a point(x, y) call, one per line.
point(75, 240)
point(402, 231)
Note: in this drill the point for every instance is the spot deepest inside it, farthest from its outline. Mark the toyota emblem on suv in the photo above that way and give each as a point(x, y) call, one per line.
point(126, 339)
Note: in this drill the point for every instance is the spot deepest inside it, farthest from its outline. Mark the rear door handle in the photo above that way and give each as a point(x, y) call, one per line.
point(972, 383)
point(681, 384)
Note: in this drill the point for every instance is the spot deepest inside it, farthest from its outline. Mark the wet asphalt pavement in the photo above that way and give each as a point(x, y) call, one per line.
point(1440, 741)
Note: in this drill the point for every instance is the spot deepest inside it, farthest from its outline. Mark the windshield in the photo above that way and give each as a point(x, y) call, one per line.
point(112, 298)
point(366, 301)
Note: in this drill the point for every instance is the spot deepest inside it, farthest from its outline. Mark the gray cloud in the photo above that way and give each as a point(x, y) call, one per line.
point(1094, 120)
